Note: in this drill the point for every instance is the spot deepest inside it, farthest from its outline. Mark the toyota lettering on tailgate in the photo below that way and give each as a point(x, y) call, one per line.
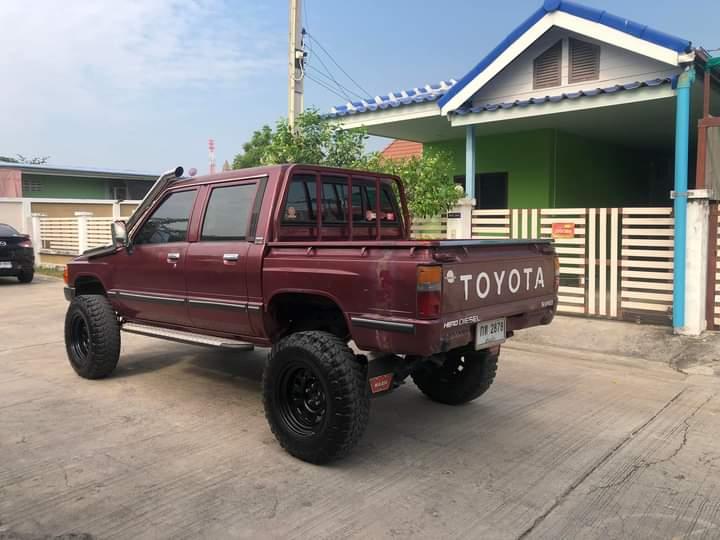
point(515, 281)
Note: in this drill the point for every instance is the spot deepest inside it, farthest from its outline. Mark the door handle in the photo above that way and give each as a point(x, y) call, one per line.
point(231, 257)
point(173, 257)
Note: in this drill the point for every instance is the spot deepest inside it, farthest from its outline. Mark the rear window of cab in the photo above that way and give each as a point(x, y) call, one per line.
point(301, 204)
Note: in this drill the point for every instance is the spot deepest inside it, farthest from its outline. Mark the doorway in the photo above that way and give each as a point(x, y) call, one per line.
point(491, 190)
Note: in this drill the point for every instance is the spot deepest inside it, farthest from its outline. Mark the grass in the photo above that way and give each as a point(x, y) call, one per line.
point(49, 271)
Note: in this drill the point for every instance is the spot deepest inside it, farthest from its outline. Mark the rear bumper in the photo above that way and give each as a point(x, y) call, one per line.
point(17, 266)
point(425, 338)
point(69, 293)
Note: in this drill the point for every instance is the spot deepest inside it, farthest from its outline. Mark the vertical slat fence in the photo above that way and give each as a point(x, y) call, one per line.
point(646, 288)
point(572, 255)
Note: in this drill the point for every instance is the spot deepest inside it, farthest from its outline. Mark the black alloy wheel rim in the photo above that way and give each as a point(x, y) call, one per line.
point(453, 367)
point(302, 400)
point(79, 338)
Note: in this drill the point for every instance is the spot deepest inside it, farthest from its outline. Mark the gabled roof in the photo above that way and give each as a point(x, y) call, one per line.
point(400, 149)
point(594, 15)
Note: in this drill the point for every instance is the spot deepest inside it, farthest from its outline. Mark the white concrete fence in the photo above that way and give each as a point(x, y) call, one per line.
point(70, 236)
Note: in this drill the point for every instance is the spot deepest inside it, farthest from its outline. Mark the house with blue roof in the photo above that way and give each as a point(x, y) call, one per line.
point(581, 109)
point(576, 107)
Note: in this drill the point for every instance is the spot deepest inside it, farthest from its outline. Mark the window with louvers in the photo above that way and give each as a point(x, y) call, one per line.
point(547, 68)
point(30, 186)
point(584, 61)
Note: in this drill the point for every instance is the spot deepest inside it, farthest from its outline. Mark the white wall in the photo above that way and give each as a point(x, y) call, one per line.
point(11, 212)
point(617, 66)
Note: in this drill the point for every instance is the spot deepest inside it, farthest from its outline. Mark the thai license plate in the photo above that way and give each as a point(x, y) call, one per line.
point(5, 264)
point(489, 333)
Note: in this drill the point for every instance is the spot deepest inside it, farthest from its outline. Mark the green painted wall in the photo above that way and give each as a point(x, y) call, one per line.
point(67, 187)
point(594, 173)
point(550, 168)
point(525, 156)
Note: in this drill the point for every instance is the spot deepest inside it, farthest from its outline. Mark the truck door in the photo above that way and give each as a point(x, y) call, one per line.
point(148, 282)
point(216, 266)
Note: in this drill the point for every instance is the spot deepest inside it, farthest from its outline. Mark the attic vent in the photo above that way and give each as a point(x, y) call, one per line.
point(547, 70)
point(584, 61)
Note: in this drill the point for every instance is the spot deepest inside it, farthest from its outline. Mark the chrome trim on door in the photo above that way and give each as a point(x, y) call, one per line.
point(202, 302)
point(254, 307)
point(150, 297)
point(231, 257)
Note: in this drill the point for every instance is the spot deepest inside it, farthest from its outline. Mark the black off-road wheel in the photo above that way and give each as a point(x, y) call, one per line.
point(316, 396)
point(26, 276)
point(462, 377)
point(92, 336)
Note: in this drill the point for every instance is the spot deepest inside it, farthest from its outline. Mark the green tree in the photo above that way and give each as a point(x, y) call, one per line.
point(428, 181)
point(316, 141)
point(254, 149)
point(25, 160)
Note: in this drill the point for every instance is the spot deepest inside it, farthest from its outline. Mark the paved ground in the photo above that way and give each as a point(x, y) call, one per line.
point(175, 445)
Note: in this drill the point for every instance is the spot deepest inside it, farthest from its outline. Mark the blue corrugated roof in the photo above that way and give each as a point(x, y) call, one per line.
point(429, 92)
point(591, 14)
point(491, 107)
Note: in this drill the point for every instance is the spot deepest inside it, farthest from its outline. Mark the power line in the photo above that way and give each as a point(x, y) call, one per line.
point(328, 88)
point(329, 73)
point(330, 76)
point(331, 80)
point(367, 94)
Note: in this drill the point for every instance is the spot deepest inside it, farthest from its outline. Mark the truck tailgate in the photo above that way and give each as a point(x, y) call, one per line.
point(494, 274)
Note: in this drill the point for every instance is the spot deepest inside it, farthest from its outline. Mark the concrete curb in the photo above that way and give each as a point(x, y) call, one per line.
point(604, 339)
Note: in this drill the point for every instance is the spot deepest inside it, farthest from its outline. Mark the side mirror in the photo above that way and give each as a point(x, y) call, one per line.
point(119, 234)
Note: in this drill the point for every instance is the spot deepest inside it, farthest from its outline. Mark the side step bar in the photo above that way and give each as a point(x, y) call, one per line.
point(186, 337)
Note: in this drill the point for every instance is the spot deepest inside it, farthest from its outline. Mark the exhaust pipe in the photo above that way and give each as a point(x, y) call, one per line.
point(163, 180)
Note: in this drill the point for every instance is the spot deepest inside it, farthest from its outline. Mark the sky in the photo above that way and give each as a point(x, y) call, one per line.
point(142, 84)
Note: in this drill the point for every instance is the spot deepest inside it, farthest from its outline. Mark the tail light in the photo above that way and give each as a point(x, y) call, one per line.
point(429, 291)
point(557, 273)
point(65, 275)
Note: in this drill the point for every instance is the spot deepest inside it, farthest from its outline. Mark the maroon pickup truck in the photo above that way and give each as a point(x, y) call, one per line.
point(318, 264)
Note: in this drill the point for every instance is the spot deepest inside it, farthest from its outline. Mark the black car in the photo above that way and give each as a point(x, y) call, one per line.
point(17, 257)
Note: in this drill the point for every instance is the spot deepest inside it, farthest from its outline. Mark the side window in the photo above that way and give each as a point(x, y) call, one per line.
point(228, 212)
point(334, 199)
point(300, 203)
point(169, 222)
point(387, 203)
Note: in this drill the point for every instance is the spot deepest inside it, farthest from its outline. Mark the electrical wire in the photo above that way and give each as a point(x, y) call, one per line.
point(329, 79)
point(328, 88)
point(328, 76)
point(314, 39)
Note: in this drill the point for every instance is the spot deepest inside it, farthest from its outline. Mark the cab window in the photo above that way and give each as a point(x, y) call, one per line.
point(169, 222)
point(228, 213)
point(300, 202)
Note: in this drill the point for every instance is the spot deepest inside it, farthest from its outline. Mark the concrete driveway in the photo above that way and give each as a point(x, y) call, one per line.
point(175, 445)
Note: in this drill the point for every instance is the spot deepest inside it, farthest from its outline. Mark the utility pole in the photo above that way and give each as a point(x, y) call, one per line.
point(296, 59)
